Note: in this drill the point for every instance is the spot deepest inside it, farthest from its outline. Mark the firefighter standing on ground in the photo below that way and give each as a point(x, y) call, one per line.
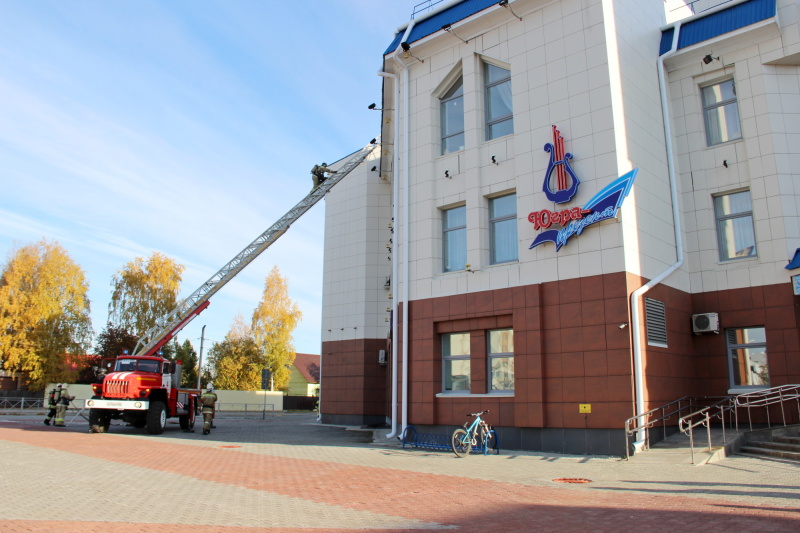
point(61, 409)
point(52, 403)
point(209, 400)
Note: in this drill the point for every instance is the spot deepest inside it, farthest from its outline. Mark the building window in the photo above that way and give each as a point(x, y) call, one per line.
point(721, 113)
point(454, 225)
point(503, 228)
point(455, 359)
point(747, 357)
point(655, 317)
point(501, 360)
point(735, 233)
point(499, 110)
point(453, 118)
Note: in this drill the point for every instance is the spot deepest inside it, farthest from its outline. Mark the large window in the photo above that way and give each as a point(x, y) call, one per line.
point(455, 362)
point(501, 360)
point(721, 113)
point(747, 357)
point(503, 228)
point(735, 233)
point(454, 224)
point(453, 118)
point(499, 111)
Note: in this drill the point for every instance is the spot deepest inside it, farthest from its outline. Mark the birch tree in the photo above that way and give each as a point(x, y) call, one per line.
point(144, 291)
point(45, 322)
point(237, 360)
point(273, 322)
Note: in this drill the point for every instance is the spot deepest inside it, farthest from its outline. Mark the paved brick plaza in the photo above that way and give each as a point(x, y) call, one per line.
point(289, 474)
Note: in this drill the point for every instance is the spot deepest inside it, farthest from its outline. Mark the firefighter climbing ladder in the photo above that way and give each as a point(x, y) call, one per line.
point(169, 325)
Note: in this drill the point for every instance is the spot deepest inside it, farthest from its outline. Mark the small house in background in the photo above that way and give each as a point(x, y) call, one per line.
point(304, 380)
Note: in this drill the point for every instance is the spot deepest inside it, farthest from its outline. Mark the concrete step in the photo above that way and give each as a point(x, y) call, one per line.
point(775, 445)
point(781, 454)
point(788, 439)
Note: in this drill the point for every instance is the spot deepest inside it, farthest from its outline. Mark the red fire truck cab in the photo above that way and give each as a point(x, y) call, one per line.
point(142, 391)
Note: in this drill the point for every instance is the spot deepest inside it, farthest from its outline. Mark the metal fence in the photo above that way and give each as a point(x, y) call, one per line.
point(16, 403)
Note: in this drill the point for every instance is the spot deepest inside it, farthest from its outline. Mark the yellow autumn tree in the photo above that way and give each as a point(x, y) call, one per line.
point(144, 291)
point(273, 322)
point(236, 362)
point(44, 314)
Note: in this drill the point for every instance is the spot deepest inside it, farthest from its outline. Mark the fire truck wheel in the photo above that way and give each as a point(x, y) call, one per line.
point(156, 418)
point(98, 421)
point(187, 421)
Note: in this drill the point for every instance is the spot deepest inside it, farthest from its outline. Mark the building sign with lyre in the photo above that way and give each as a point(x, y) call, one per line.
point(603, 205)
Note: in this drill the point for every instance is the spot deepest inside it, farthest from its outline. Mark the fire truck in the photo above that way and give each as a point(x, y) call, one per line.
point(143, 389)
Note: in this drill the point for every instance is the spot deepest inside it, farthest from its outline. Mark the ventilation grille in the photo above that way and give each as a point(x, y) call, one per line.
point(655, 322)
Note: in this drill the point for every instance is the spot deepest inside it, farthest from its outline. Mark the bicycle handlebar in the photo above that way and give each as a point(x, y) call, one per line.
point(478, 414)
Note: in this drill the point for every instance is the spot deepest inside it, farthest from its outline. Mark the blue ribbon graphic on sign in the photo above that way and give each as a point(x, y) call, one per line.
point(604, 205)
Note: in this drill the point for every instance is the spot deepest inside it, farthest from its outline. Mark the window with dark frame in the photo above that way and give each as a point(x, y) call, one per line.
point(452, 118)
point(454, 238)
point(747, 357)
point(501, 360)
point(456, 362)
point(499, 108)
point(721, 113)
point(735, 232)
point(503, 229)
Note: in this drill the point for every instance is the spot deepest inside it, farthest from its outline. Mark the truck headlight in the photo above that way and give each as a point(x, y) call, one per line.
point(90, 403)
point(137, 404)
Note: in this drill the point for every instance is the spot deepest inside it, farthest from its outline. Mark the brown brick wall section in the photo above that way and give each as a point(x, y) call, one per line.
point(353, 383)
point(569, 350)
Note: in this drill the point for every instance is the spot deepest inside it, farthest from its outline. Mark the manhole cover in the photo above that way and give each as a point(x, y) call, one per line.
point(572, 480)
point(230, 446)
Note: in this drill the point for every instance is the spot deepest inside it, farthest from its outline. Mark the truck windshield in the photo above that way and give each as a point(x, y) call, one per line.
point(130, 365)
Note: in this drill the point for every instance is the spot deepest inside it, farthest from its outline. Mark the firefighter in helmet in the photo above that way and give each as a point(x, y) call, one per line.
point(318, 174)
point(61, 409)
point(208, 400)
point(52, 403)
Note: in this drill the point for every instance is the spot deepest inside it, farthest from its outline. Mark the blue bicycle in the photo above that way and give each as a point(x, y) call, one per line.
point(476, 435)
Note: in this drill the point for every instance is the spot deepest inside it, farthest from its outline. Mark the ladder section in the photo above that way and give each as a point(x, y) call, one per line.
point(168, 326)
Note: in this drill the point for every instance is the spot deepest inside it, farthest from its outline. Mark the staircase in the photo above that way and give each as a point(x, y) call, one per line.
point(778, 443)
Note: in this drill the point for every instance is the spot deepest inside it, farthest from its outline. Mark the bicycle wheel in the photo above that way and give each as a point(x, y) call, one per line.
point(462, 445)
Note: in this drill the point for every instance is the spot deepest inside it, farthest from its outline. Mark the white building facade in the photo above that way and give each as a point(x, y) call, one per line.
point(537, 240)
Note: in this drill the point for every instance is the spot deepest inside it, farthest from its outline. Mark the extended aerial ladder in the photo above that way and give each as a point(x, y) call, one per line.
point(169, 326)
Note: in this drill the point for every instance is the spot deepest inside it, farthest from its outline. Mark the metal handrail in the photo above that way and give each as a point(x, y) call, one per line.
point(767, 397)
point(645, 421)
point(21, 403)
point(703, 418)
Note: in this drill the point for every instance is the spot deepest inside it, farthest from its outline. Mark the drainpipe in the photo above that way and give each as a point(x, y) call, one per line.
point(406, 231)
point(395, 218)
point(638, 374)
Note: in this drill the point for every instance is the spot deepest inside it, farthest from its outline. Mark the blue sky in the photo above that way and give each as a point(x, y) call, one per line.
point(186, 127)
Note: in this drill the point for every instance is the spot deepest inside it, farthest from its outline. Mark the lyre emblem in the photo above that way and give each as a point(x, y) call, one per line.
point(559, 161)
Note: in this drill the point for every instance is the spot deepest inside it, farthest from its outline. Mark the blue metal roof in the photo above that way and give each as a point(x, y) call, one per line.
point(719, 23)
point(433, 24)
point(795, 262)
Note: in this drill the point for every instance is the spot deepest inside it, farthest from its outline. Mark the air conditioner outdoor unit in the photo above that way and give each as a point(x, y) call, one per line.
point(382, 357)
point(705, 323)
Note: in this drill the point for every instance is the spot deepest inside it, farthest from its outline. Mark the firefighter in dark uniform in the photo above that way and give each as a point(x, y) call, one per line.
point(318, 174)
point(208, 400)
point(61, 409)
point(52, 403)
